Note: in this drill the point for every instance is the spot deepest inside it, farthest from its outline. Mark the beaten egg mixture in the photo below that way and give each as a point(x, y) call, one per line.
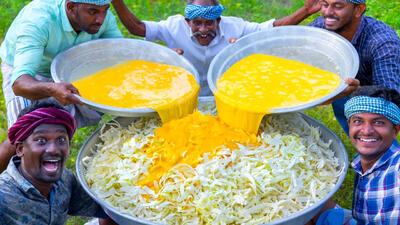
point(249, 89)
point(170, 90)
point(259, 83)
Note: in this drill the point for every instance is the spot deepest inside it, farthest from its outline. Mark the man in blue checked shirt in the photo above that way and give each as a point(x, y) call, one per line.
point(373, 116)
point(377, 44)
point(41, 30)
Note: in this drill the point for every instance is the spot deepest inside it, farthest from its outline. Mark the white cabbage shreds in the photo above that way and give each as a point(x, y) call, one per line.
point(291, 170)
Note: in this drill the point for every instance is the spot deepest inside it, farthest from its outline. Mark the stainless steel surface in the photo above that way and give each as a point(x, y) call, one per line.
point(295, 219)
point(92, 56)
point(317, 47)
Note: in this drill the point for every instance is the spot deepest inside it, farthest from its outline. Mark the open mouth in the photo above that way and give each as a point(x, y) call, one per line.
point(330, 20)
point(51, 165)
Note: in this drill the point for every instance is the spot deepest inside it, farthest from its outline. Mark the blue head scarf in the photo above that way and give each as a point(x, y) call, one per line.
point(356, 1)
point(360, 104)
point(204, 12)
point(93, 2)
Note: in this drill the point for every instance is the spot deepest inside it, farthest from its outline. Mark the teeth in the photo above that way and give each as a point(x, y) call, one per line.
point(203, 36)
point(52, 160)
point(331, 19)
point(368, 140)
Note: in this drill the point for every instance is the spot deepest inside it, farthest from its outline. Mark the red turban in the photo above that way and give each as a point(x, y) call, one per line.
point(25, 125)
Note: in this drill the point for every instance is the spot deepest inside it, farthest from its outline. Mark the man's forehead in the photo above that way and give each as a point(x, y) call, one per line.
point(335, 1)
point(203, 2)
point(49, 127)
point(368, 115)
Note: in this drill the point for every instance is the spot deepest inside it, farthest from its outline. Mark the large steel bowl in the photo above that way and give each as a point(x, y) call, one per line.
point(298, 218)
point(89, 57)
point(314, 46)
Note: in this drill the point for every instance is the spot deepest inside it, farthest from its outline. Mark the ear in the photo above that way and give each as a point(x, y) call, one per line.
point(218, 20)
point(70, 7)
point(187, 21)
point(19, 149)
point(360, 8)
point(396, 129)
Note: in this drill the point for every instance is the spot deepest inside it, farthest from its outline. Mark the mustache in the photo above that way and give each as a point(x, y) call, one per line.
point(198, 33)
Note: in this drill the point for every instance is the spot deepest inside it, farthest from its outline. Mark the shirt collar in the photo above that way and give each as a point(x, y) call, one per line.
point(20, 181)
point(64, 18)
point(385, 158)
point(359, 30)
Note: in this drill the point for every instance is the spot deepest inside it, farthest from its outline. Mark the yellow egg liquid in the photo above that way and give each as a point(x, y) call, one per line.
point(186, 140)
point(170, 90)
point(259, 83)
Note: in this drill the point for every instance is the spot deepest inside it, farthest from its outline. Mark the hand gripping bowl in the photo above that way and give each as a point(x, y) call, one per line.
point(92, 56)
point(298, 218)
point(314, 46)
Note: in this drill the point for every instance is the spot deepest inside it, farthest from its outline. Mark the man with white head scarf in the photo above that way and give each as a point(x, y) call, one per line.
point(41, 30)
point(377, 44)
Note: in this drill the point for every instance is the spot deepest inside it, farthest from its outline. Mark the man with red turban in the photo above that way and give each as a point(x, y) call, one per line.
point(36, 188)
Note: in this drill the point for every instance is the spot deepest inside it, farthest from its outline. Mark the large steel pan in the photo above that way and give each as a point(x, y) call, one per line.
point(295, 219)
point(89, 57)
point(314, 46)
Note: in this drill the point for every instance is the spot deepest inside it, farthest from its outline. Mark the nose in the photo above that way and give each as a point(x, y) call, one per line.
point(100, 18)
point(203, 29)
point(329, 11)
point(367, 129)
point(52, 148)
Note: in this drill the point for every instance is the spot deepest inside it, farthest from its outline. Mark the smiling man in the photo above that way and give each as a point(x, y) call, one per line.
point(373, 115)
point(377, 44)
point(41, 30)
point(202, 33)
point(36, 188)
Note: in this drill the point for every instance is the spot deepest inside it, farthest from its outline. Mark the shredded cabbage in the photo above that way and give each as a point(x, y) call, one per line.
point(291, 170)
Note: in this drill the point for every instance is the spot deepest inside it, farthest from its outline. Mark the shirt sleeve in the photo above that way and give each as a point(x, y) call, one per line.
point(29, 47)
point(251, 27)
point(112, 30)
point(386, 64)
point(160, 31)
point(82, 204)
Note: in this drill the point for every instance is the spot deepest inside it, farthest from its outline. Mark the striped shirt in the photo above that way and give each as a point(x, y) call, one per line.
point(378, 47)
point(376, 196)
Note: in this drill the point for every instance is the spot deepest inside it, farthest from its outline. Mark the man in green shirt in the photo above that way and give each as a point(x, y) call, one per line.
point(41, 30)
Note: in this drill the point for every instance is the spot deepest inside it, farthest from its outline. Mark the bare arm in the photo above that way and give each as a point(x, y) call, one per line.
point(30, 88)
point(130, 21)
point(310, 7)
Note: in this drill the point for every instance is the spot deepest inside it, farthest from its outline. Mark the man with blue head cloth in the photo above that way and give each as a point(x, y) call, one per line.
point(377, 44)
point(203, 32)
point(373, 116)
point(41, 30)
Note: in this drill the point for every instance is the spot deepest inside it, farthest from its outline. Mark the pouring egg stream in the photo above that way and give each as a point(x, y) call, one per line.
point(258, 84)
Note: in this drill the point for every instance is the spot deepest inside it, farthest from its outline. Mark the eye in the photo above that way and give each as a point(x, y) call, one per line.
point(379, 122)
point(92, 12)
point(62, 140)
point(210, 22)
point(41, 141)
point(357, 121)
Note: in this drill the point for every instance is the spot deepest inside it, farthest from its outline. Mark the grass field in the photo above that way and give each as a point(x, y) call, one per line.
point(253, 10)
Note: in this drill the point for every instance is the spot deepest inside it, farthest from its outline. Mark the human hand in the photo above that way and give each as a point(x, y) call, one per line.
point(353, 84)
point(312, 6)
point(178, 50)
point(65, 93)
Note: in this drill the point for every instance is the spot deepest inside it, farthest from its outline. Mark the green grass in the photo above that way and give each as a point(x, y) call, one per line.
point(252, 10)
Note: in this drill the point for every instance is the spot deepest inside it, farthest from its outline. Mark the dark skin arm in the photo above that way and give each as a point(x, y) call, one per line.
point(30, 88)
point(310, 7)
point(130, 21)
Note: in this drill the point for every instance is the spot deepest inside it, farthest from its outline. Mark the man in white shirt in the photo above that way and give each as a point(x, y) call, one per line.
point(202, 33)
